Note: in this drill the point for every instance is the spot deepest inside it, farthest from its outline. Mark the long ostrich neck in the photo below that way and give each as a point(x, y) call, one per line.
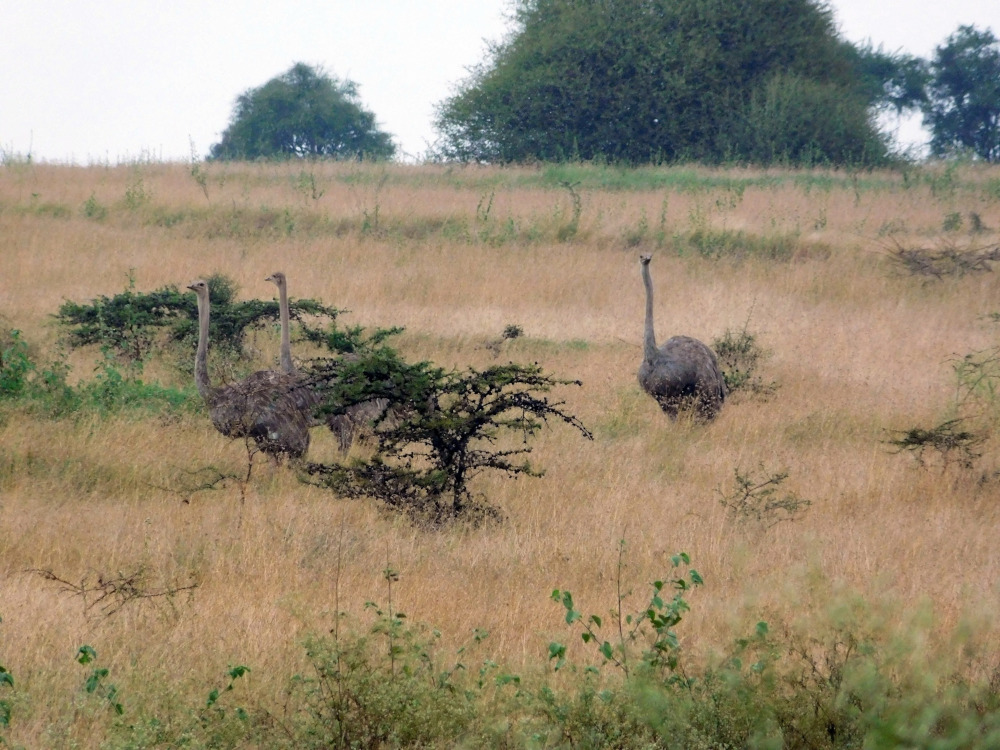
point(201, 356)
point(286, 344)
point(649, 342)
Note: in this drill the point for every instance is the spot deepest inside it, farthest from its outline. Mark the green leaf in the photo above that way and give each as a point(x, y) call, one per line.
point(606, 650)
point(596, 620)
point(86, 654)
point(696, 578)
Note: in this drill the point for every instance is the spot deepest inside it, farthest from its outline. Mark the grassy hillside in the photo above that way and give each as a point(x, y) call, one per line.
point(860, 347)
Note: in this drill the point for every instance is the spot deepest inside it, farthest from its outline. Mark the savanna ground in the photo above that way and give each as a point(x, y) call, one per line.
point(889, 552)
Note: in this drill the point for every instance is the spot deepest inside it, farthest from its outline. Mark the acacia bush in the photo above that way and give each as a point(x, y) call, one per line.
point(127, 323)
point(439, 430)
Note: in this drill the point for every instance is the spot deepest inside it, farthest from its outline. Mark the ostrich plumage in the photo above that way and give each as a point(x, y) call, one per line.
point(260, 407)
point(356, 418)
point(683, 373)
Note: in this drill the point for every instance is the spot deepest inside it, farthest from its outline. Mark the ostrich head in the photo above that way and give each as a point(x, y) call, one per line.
point(276, 278)
point(645, 258)
point(199, 287)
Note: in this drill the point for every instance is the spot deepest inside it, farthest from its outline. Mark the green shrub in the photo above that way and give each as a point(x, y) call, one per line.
point(438, 430)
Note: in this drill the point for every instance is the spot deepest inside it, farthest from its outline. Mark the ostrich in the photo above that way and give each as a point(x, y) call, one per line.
point(682, 372)
point(260, 407)
point(344, 426)
point(278, 279)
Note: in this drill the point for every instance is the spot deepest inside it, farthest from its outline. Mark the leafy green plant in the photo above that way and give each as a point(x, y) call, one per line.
point(6, 681)
point(96, 682)
point(93, 209)
point(6, 708)
point(307, 186)
point(569, 230)
point(15, 365)
point(952, 222)
point(349, 340)
point(40, 385)
point(977, 382)
point(740, 356)
point(234, 673)
point(361, 695)
point(650, 629)
point(759, 499)
point(137, 194)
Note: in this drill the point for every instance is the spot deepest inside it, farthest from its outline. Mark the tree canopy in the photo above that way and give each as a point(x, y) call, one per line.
point(302, 113)
point(963, 95)
point(661, 80)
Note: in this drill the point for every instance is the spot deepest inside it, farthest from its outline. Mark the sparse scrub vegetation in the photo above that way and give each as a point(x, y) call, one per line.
point(949, 260)
point(757, 498)
point(740, 357)
point(231, 609)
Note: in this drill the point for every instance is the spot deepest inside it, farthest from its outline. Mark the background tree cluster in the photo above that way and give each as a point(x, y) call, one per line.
point(302, 113)
point(651, 81)
point(754, 81)
point(661, 80)
point(962, 101)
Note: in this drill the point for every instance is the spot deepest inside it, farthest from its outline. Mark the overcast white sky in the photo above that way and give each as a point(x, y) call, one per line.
point(114, 80)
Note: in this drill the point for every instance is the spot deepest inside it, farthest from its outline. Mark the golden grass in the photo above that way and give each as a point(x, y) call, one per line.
point(858, 348)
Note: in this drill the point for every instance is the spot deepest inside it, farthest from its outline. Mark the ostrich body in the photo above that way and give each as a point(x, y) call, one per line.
point(259, 407)
point(356, 417)
point(681, 373)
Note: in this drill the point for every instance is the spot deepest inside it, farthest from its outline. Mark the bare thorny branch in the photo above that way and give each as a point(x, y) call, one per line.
point(110, 593)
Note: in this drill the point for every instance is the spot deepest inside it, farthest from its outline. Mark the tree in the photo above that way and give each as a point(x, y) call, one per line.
point(891, 80)
point(662, 80)
point(440, 430)
point(963, 95)
point(302, 113)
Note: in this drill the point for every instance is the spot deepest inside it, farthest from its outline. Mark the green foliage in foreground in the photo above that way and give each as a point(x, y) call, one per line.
point(386, 682)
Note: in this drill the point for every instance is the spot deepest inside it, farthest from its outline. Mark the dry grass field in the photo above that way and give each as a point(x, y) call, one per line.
point(858, 347)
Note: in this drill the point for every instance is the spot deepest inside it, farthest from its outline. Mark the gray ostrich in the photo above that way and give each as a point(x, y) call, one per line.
point(260, 407)
point(681, 373)
point(356, 417)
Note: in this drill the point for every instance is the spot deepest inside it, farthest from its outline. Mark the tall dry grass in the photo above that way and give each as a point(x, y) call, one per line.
point(857, 348)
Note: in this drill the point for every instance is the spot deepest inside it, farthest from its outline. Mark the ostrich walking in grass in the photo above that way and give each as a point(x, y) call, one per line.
point(683, 372)
point(260, 407)
point(356, 417)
